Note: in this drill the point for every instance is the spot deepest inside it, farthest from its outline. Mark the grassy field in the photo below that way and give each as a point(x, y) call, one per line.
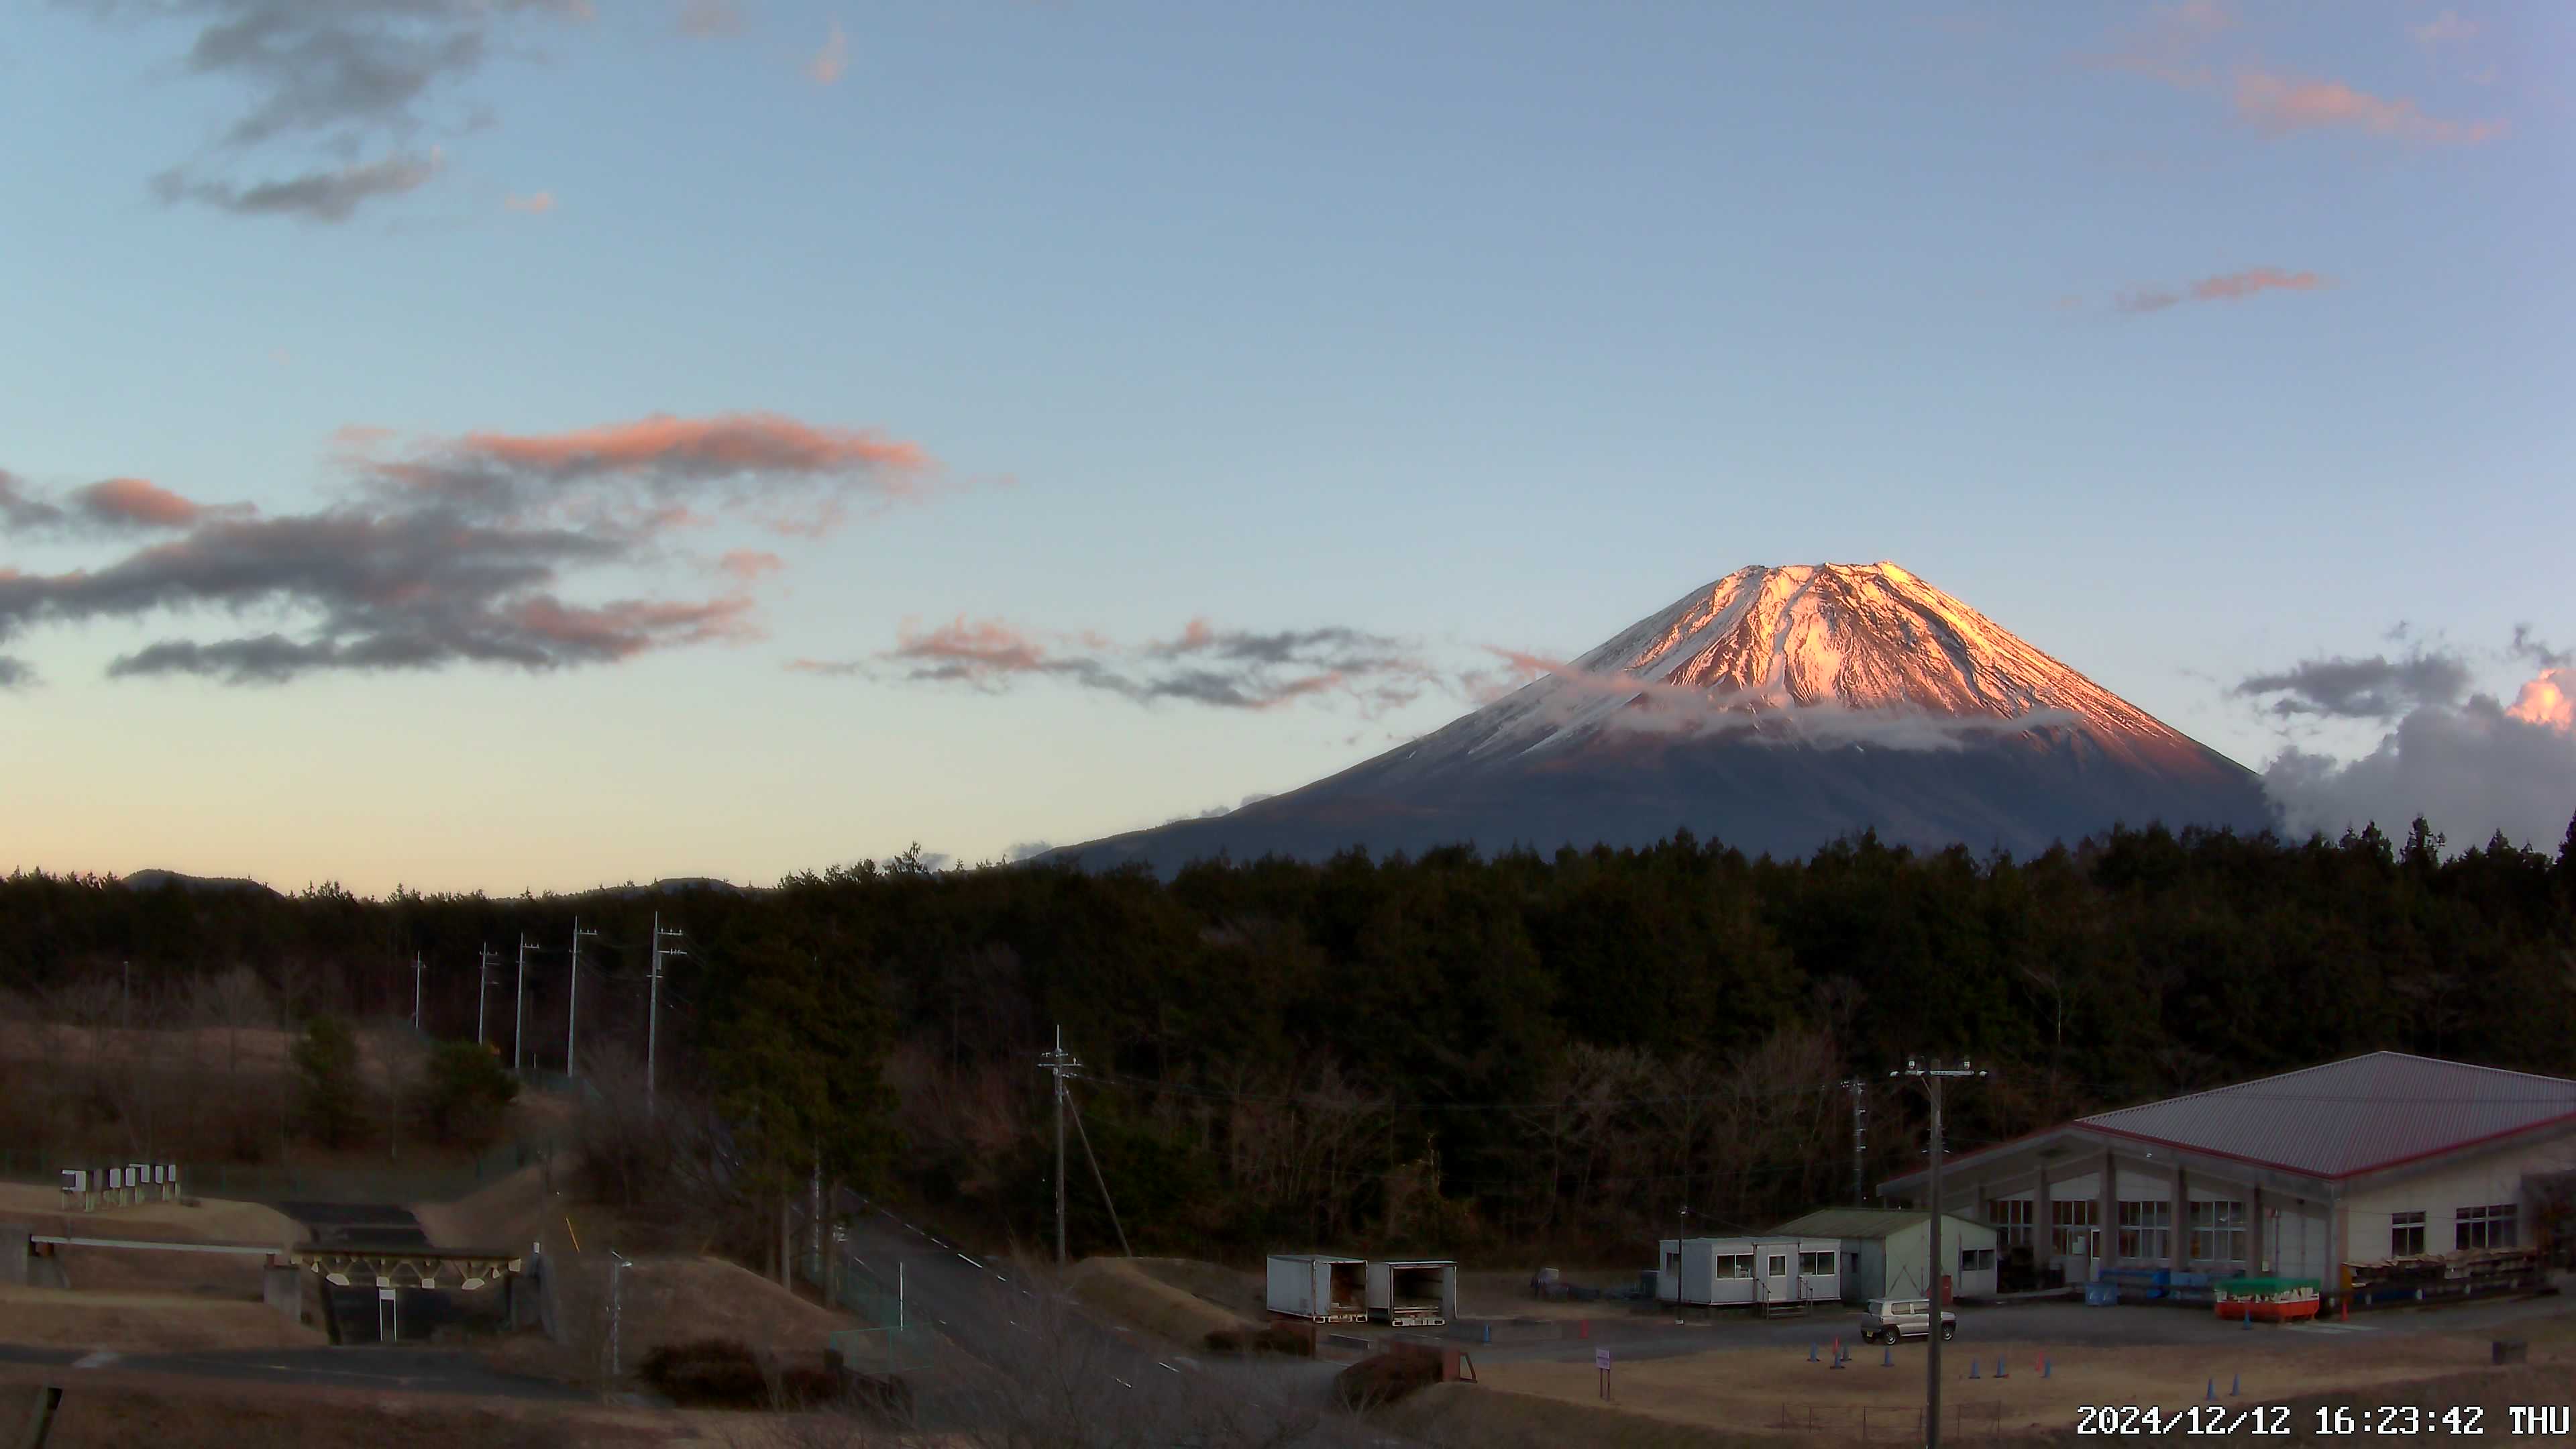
point(144, 1322)
point(1775, 1390)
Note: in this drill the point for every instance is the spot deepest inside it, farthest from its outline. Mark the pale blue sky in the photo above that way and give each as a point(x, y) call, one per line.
point(1468, 325)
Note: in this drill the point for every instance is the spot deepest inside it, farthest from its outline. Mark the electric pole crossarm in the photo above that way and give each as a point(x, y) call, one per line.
point(1063, 1064)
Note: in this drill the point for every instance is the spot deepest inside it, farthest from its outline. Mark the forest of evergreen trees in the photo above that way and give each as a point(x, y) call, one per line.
point(1476, 1055)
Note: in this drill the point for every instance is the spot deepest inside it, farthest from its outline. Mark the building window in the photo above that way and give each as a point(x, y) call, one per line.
point(2146, 1230)
point(1731, 1265)
point(2012, 1220)
point(1779, 1265)
point(1816, 1265)
point(2482, 1227)
point(2071, 1225)
point(2218, 1232)
point(1977, 1260)
point(2405, 1234)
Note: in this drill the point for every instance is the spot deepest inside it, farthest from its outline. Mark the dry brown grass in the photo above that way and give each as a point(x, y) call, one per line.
point(1125, 1291)
point(108, 1408)
point(144, 1322)
point(1231, 1289)
point(1749, 1390)
point(1490, 1418)
point(525, 1207)
point(123, 1270)
point(208, 1220)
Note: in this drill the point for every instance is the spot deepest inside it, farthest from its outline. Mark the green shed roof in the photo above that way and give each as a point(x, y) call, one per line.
point(1866, 1222)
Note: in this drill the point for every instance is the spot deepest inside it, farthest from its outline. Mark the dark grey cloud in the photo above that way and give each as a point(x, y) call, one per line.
point(14, 674)
point(2377, 688)
point(339, 77)
point(23, 509)
point(2471, 770)
point(400, 576)
point(315, 196)
point(2527, 645)
point(1223, 669)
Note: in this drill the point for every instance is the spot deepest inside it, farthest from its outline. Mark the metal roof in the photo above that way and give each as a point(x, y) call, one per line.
point(1864, 1222)
point(2352, 1116)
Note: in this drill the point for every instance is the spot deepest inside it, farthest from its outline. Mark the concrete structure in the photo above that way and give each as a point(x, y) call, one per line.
point(1787, 1267)
point(2292, 1176)
point(1887, 1253)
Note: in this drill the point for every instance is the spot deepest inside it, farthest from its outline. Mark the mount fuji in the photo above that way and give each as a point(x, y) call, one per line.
point(1774, 710)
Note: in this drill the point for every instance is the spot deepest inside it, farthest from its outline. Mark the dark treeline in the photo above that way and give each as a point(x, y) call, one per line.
point(1475, 1055)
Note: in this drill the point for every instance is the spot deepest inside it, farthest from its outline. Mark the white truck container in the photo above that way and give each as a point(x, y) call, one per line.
point(1319, 1287)
point(1418, 1293)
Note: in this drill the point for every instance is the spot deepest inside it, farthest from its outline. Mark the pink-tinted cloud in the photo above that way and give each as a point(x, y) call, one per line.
point(1225, 668)
point(2549, 699)
point(2446, 28)
point(832, 60)
point(2280, 104)
point(728, 444)
point(630, 626)
point(749, 564)
point(535, 205)
point(454, 551)
point(2231, 287)
point(709, 18)
point(792, 477)
point(135, 501)
point(2170, 45)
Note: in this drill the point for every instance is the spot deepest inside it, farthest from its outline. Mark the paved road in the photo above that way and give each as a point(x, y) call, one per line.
point(416, 1370)
point(990, 1313)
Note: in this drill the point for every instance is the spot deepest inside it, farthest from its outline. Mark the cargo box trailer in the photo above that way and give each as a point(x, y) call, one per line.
point(1420, 1293)
point(1318, 1287)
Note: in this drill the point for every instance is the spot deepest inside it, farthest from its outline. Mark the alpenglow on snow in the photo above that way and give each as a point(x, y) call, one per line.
point(1775, 710)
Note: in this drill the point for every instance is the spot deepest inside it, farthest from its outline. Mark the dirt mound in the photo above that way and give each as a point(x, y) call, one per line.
point(212, 1220)
point(1227, 1288)
point(1123, 1289)
point(674, 1300)
point(141, 1323)
point(1455, 1416)
point(517, 1210)
point(196, 1220)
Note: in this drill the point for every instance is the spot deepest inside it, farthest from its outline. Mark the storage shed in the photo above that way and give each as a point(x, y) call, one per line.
point(1777, 1269)
point(1886, 1252)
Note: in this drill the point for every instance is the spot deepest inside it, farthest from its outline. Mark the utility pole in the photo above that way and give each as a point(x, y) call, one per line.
point(1931, 1077)
point(1063, 1063)
point(1860, 1141)
point(519, 1030)
point(482, 988)
point(653, 1014)
point(416, 968)
point(573, 1026)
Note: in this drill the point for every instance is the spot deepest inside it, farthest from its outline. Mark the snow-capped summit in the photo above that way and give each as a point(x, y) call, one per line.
point(1775, 709)
point(1821, 654)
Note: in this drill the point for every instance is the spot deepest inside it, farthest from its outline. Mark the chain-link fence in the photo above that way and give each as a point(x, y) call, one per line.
point(890, 1338)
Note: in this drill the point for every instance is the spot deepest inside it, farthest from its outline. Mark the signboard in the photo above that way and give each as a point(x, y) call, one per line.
point(1601, 1359)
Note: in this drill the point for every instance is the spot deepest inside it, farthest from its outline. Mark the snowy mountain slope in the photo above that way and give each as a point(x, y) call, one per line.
point(1774, 709)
